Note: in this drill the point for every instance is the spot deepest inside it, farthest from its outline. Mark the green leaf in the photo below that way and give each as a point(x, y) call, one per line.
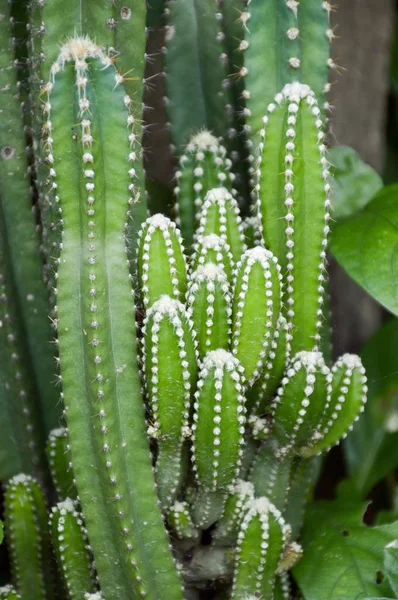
point(371, 448)
point(354, 184)
point(391, 565)
point(366, 247)
point(343, 559)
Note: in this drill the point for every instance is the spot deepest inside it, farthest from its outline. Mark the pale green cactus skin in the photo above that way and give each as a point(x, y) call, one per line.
point(256, 309)
point(220, 215)
point(101, 387)
point(270, 475)
point(70, 543)
point(28, 538)
point(162, 268)
point(210, 307)
point(262, 538)
point(170, 375)
point(204, 165)
point(219, 421)
point(58, 457)
point(291, 185)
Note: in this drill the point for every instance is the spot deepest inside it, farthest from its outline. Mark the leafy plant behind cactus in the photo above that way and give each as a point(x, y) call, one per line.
point(187, 352)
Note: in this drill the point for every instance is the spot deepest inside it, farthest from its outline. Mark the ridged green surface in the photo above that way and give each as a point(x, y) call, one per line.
point(70, 544)
point(293, 201)
point(59, 461)
point(101, 386)
point(195, 96)
point(28, 539)
point(28, 396)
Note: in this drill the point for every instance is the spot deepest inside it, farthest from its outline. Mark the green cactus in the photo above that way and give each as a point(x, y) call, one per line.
point(28, 398)
point(203, 166)
point(291, 184)
point(58, 456)
point(193, 426)
point(101, 388)
point(70, 543)
point(29, 542)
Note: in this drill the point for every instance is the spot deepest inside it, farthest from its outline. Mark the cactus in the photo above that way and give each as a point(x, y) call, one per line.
point(188, 349)
point(26, 530)
point(71, 547)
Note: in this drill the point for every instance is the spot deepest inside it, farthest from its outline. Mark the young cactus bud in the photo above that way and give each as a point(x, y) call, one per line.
point(346, 400)
point(203, 166)
point(220, 215)
point(300, 402)
point(170, 373)
point(262, 539)
point(218, 430)
point(256, 308)
point(213, 248)
point(161, 263)
point(8, 592)
point(227, 526)
point(60, 465)
point(181, 522)
point(293, 202)
point(28, 539)
point(270, 475)
point(209, 306)
point(70, 543)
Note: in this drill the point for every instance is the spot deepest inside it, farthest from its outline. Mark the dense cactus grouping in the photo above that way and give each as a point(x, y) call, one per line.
point(189, 396)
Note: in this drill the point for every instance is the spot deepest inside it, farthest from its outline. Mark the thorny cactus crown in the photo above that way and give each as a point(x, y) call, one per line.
point(195, 396)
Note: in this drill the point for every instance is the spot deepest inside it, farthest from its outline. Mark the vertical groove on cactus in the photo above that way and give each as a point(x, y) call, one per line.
point(256, 307)
point(219, 425)
point(304, 474)
point(27, 534)
point(293, 200)
point(91, 140)
point(170, 374)
point(162, 268)
point(203, 166)
point(192, 43)
point(262, 539)
point(272, 55)
point(210, 307)
point(70, 543)
point(24, 300)
point(58, 456)
point(220, 215)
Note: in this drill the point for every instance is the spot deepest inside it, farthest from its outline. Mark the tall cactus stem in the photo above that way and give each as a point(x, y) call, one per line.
point(293, 201)
point(91, 148)
point(58, 456)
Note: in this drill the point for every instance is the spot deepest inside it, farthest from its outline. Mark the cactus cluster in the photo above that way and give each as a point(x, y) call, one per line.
point(188, 351)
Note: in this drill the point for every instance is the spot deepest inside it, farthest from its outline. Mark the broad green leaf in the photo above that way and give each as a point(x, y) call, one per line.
point(343, 559)
point(391, 565)
point(354, 183)
point(366, 246)
point(371, 448)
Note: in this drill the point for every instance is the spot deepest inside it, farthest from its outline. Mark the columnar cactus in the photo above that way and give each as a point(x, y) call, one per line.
point(192, 424)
